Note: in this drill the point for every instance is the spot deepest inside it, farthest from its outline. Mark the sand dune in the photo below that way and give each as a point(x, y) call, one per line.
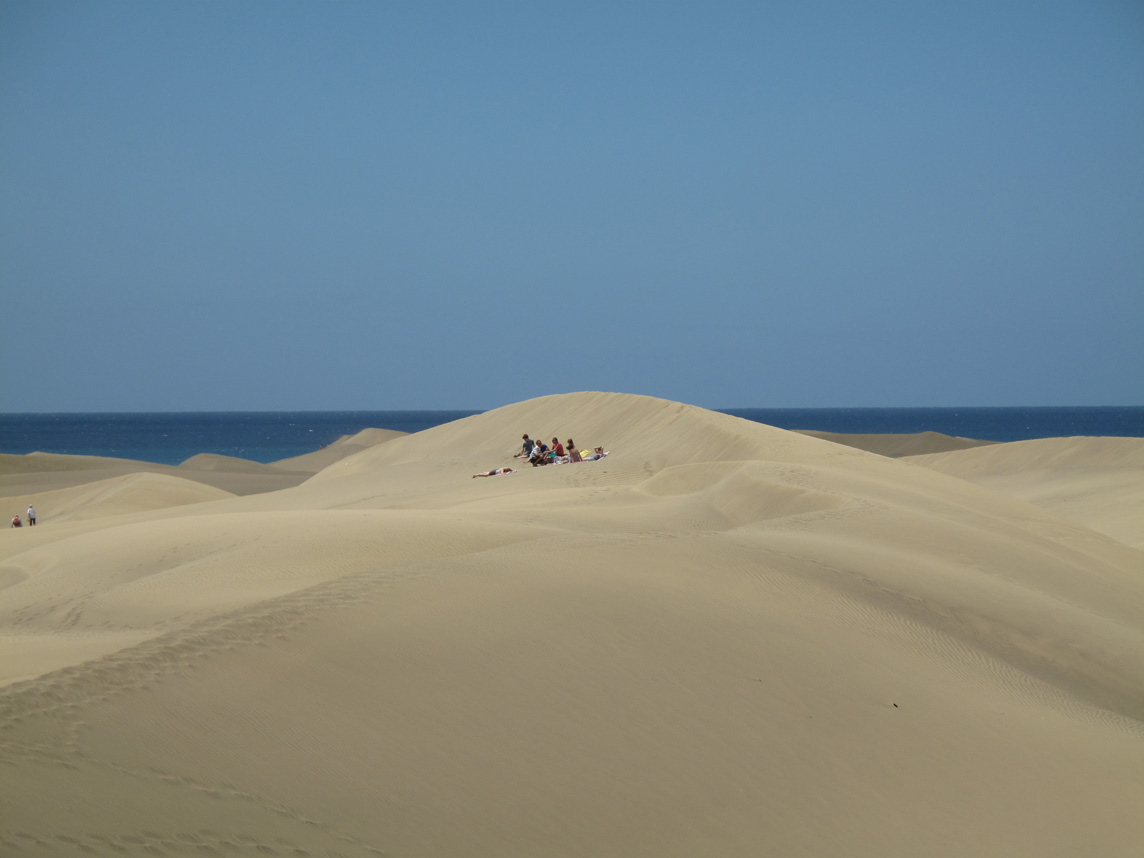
point(347, 445)
point(723, 639)
point(1098, 482)
point(44, 472)
point(217, 462)
point(896, 446)
point(129, 493)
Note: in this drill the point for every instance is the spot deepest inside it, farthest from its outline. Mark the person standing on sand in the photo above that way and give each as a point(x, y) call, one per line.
point(31, 515)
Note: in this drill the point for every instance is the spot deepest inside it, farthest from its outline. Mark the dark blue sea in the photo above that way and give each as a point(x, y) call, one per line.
point(171, 438)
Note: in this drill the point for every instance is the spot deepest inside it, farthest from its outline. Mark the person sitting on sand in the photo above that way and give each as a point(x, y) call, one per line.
point(526, 448)
point(573, 453)
point(495, 472)
point(16, 521)
point(557, 448)
point(539, 454)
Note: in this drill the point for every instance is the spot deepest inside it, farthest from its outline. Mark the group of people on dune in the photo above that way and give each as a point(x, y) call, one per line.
point(538, 453)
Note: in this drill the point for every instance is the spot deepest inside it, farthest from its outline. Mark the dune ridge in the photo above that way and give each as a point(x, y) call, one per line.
point(134, 492)
point(724, 638)
point(899, 445)
point(1094, 481)
point(35, 473)
point(346, 445)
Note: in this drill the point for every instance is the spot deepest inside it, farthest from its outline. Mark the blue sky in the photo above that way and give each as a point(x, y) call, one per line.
point(292, 206)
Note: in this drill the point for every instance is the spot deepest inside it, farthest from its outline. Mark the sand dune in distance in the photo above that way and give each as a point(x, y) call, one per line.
point(23, 478)
point(896, 446)
point(35, 473)
point(345, 446)
point(1098, 482)
point(723, 639)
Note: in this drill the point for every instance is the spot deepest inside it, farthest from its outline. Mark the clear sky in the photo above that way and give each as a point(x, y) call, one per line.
point(325, 206)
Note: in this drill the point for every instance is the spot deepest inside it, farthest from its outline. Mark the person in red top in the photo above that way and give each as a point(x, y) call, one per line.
point(557, 447)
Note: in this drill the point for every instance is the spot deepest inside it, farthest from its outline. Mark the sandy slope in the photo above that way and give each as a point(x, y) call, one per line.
point(1098, 482)
point(347, 445)
point(896, 446)
point(44, 472)
point(33, 478)
point(724, 639)
point(129, 493)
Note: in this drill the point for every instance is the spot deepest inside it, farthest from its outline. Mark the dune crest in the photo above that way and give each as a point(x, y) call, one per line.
point(347, 445)
point(219, 462)
point(898, 445)
point(130, 493)
point(1098, 482)
point(44, 472)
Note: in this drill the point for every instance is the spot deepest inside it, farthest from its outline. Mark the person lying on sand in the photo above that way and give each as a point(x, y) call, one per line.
point(495, 472)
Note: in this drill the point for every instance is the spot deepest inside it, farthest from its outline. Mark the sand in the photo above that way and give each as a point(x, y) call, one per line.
point(1094, 481)
point(898, 446)
point(723, 639)
point(28, 476)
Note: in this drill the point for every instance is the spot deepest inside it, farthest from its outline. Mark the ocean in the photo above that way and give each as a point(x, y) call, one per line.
point(267, 436)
